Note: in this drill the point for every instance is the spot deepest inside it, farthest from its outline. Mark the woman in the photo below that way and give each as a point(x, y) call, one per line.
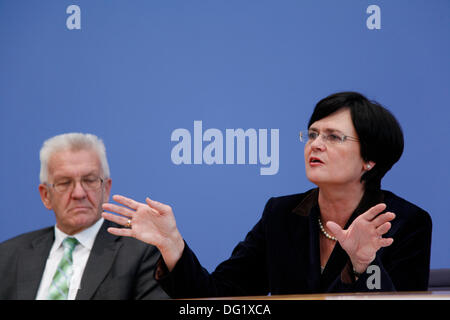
point(346, 235)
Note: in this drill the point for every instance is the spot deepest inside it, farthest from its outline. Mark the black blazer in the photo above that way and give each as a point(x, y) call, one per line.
point(280, 255)
point(117, 268)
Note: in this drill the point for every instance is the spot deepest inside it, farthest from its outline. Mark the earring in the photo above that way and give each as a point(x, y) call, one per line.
point(368, 166)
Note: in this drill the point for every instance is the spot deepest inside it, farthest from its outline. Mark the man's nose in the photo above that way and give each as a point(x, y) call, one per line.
point(78, 191)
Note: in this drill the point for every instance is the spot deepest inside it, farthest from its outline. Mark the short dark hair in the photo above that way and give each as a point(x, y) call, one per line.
point(380, 134)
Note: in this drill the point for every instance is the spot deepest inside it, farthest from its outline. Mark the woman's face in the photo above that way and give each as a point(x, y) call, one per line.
point(338, 164)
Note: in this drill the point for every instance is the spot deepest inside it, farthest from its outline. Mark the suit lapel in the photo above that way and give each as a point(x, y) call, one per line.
point(31, 265)
point(99, 263)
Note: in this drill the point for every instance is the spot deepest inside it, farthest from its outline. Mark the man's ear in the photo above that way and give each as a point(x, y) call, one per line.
point(45, 196)
point(107, 186)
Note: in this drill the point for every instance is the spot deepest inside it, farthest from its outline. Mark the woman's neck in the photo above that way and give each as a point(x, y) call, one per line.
point(338, 203)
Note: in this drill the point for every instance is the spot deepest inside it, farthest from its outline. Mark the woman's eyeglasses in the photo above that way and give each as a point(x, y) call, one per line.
point(331, 138)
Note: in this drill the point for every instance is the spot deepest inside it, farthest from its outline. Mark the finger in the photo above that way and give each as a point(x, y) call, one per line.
point(130, 203)
point(374, 211)
point(383, 228)
point(115, 218)
point(123, 232)
point(336, 230)
point(385, 242)
point(383, 218)
point(161, 208)
point(117, 209)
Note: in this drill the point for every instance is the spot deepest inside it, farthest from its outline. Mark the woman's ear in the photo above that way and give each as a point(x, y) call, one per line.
point(369, 165)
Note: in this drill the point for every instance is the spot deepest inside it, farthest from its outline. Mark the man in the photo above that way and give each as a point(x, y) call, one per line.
point(77, 258)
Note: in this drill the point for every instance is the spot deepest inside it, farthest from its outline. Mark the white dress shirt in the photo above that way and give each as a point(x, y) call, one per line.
point(80, 256)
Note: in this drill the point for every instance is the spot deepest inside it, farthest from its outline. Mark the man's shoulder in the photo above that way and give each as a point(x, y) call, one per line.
point(25, 238)
point(13, 247)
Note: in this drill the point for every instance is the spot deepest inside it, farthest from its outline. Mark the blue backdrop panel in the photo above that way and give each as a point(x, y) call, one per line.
point(134, 72)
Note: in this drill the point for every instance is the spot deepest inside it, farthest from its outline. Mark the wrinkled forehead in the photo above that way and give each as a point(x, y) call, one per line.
point(74, 163)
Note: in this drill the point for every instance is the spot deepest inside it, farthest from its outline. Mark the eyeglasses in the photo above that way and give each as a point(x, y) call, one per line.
point(88, 183)
point(332, 138)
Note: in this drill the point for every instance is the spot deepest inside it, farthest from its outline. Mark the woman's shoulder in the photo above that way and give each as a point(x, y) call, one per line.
point(288, 203)
point(404, 209)
point(293, 198)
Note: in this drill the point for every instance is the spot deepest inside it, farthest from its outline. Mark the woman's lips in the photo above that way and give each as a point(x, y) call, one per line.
point(315, 161)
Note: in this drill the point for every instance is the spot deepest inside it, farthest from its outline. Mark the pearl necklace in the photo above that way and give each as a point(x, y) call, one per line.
point(326, 233)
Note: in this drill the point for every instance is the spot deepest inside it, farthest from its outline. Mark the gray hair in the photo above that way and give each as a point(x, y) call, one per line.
point(75, 142)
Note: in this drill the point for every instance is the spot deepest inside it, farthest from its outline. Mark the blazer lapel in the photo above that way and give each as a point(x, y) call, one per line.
point(31, 265)
point(314, 272)
point(307, 211)
point(99, 263)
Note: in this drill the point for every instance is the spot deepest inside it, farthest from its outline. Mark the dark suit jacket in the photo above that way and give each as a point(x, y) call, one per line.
point(280, 255)
point(117, 268)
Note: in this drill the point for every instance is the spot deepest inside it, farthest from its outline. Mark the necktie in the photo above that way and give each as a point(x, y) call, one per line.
point(59, 289)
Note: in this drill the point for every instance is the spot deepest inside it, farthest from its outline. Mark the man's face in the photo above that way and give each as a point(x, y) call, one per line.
point(78, 207)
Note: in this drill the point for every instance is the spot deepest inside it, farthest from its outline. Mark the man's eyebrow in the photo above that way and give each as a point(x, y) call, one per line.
point(61, 177)
point(90, 173)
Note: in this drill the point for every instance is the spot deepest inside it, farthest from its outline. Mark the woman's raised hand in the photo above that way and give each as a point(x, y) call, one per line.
point(151, 222)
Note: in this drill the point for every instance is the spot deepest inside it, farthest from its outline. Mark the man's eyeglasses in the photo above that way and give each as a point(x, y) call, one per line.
point(331, 138)
point(88, 184)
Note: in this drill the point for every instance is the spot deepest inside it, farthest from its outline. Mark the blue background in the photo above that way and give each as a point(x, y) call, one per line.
point(137, 70)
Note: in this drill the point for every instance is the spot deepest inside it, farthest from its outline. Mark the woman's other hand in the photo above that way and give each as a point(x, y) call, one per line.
point(363, 238)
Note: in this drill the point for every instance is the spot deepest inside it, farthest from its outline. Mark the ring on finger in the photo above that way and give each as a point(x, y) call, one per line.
point(128, 224)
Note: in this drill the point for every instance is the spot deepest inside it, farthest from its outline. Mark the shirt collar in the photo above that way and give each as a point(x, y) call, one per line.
point(86, 237)
point(305, 206)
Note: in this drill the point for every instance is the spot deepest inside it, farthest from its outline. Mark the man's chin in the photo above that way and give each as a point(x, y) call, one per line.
point(81, 210)
point(80, 222)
